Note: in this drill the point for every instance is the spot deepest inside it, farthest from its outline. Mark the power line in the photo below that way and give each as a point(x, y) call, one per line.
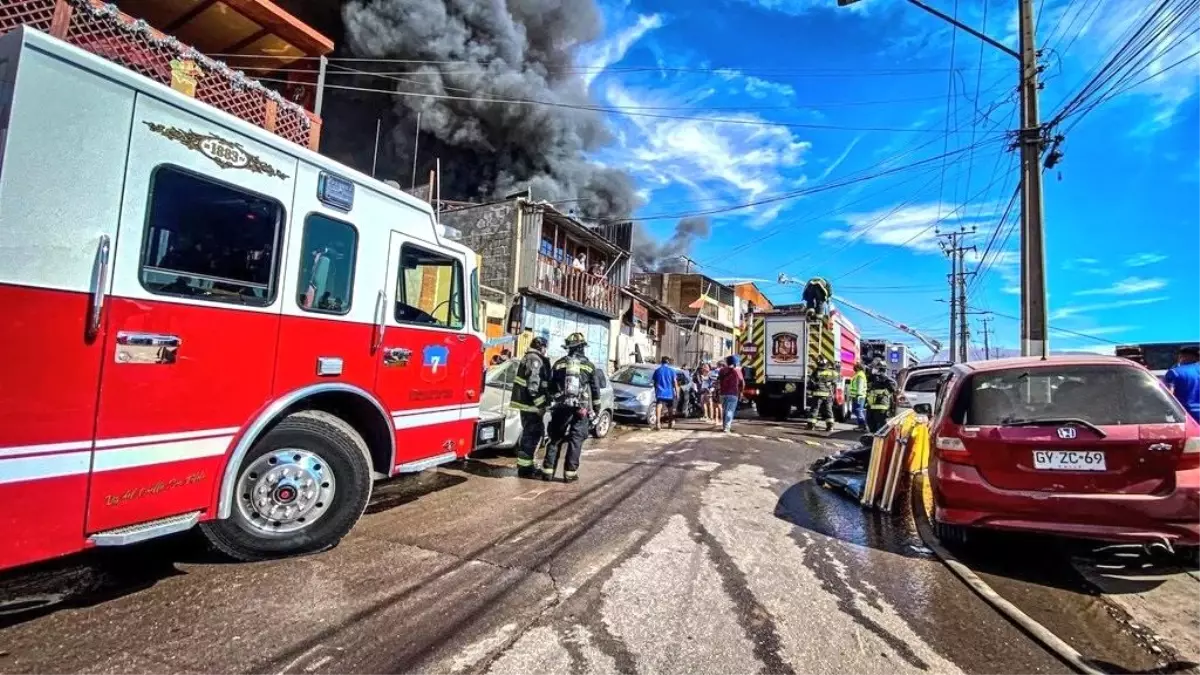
point(1068, 331)
point(607, 109)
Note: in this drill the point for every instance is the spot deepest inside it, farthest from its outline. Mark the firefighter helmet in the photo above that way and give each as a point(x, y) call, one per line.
point(575, 340)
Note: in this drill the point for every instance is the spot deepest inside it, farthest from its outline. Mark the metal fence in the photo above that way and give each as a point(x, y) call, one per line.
point(104, 30)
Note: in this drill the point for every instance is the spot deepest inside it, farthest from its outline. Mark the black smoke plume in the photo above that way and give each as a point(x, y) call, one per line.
point(650, 255)
point(454, 53)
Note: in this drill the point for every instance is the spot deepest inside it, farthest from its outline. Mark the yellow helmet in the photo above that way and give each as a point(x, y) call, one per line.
point(575, 340)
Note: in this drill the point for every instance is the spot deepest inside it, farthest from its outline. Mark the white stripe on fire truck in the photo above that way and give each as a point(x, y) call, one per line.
point(45, 448)
point(160, 453)
point(160, 438)
point(422, 411)
point(44, 466)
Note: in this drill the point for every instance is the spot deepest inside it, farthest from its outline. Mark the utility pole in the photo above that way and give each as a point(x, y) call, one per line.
point(952, 246)
point(1034, 337)
point(987, 331)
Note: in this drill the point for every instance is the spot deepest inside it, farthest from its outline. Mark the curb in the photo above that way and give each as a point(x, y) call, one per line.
point(1037, 631)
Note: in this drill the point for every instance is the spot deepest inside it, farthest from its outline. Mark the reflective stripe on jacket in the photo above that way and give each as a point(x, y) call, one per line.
point(879, 399)
point(530, 383)
point(824, 383)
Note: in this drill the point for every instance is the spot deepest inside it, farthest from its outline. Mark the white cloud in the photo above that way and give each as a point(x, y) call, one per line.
point(598, 56)
point(798, 7)
point(757, 87)
point(1144, 259)
point(1073, 310)
point(719, 159)
point(1127, 286)
point(1012, 290)
point(840, 158)
point(914, 226)
point(1084, 333)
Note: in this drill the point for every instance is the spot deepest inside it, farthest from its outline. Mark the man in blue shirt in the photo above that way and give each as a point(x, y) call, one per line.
point(664, 393)
point(1184, 380)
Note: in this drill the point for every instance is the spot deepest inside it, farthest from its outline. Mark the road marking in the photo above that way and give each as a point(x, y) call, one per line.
point(532, 494)
point(296, 661)
point(318, 663)
point(811, 442)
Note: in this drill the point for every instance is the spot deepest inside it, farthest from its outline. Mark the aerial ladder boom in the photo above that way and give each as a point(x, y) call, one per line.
point(929, 342)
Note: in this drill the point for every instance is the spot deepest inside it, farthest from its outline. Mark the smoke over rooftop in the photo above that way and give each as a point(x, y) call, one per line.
point(650, 255)
point(457, 53)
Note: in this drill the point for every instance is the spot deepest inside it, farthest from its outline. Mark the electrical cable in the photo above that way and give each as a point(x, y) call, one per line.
point(605, 109)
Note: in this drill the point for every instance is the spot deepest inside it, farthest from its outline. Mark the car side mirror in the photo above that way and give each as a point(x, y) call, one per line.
point(923, 409)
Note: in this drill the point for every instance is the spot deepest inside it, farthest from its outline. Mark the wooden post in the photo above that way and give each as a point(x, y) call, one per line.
point(270, 115)
point(60, 23)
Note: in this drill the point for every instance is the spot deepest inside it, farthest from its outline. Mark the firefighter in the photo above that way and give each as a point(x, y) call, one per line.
point(824, 381)
point(574, 395)
point(881, 390)
point(529, 398)
point(817, 293)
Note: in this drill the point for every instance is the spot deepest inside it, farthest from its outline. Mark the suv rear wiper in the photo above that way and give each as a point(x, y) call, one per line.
point(1015, 422)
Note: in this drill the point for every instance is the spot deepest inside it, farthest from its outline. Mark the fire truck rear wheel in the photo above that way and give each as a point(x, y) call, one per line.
point(299, 489)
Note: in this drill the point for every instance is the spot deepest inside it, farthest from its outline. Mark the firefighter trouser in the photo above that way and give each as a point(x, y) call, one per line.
point(876, 419)
point(565, 424)
point(533, 428)
point(822, 408)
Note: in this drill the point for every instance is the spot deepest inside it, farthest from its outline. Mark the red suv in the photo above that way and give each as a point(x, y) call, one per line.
point(1090, 447)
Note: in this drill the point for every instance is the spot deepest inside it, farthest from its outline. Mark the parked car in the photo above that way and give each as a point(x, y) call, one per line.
point(633, 393)
point(919, 384)
point(1084, 446)
point(497, 393)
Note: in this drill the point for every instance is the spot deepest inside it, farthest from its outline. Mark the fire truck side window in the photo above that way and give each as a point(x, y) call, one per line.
point(209, 241)
point(329, 249)
point(429, 289)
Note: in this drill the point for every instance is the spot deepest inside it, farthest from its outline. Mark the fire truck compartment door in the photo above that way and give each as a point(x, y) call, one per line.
point(786, 348)
point(426, 350)
point(194, 313)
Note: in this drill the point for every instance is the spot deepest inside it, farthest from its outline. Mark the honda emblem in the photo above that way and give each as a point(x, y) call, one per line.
point(1066, 432)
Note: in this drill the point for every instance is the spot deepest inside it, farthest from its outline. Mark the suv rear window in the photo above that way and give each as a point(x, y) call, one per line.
point(1099, 394)
point(923, 383)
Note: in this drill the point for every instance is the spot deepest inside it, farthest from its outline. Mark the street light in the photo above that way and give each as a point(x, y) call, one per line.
point(1035, 340)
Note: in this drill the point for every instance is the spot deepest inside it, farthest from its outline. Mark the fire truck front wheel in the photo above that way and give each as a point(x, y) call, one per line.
point(299, 489)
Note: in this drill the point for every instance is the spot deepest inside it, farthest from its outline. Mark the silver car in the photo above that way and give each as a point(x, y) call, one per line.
point(497, 395)
point(633, 392)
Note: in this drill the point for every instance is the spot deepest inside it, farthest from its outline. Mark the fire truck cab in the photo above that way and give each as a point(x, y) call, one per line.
point(206, 324)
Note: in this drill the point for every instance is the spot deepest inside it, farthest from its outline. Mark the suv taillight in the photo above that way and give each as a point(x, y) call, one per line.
point(950, 443)
point(1192, 446)
point(950, 448)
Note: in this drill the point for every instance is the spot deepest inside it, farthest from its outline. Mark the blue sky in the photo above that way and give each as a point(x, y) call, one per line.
point(781, 95)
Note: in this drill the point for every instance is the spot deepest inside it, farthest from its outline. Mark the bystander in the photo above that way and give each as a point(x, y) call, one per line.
point(1183, 379)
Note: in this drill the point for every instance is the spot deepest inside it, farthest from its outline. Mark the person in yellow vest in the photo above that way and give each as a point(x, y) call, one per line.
point(529, 397)
point(823, 382)
point(857, 393)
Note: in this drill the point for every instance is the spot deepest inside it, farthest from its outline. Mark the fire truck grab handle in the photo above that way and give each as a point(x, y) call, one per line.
point(99, 286)
point(380, 308)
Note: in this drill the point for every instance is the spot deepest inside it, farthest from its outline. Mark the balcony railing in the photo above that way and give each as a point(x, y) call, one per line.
point(578, 286)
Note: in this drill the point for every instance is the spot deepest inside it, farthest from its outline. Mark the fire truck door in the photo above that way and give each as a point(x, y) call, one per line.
point(194, 314)
point(424, 351)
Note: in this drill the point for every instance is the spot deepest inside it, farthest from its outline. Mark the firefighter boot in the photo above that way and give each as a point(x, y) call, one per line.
point(828, 426)
point(527, 472)
point(570, 477)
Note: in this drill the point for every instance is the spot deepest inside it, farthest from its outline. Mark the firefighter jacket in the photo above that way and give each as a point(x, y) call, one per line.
point(858, 385)
point(573, 383)
point(879, 395)
point(824, 381)
point(531, 382)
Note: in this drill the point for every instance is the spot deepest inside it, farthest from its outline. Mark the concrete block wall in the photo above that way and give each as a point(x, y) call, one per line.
point(489, 230)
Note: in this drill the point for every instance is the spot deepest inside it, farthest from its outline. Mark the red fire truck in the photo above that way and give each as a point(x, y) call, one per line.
point(206, 324)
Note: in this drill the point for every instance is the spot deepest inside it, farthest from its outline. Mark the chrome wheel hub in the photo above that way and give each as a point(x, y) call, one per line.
point(285, 490)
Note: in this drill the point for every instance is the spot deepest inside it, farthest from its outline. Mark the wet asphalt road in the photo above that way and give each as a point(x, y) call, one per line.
point(678, 551)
